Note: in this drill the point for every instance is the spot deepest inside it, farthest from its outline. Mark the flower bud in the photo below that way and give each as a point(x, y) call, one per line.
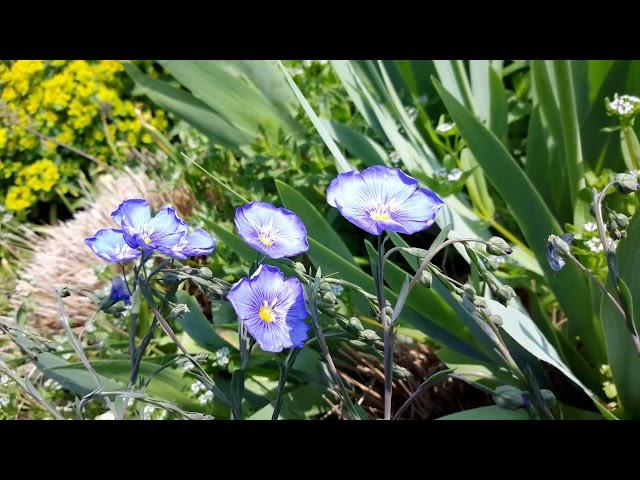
point(401, 373)
point(355, 324)
point(492, 263)
point(330, 297)
point(497, 246)
point(504, 293)
point(325, 286)
point(509, 397)
point(626, 183)
point(206, 273)
point(388, 311)
point(548, 397)
point(426, 278)
point(558, 247)
point(299, 268)
point(369, 335)
point(64, 292)
point(178, 311)
point(469, 289)
point(620, 219)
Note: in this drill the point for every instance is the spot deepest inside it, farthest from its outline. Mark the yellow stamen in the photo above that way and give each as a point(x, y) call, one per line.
point(146, 240)
point(381, 217)
point(265, 240)
point(266, 314)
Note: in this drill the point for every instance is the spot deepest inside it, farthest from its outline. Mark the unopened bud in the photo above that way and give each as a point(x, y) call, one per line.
point(509, 397)
point(206, 273)
point(426, 278)
point(356, 324)
point(325, 286)
point(504, 293)
point(626, 183)
point(548, 397)
point(330, 297)
point(299, 268)
point(401, 373)
point(369, 335)
point(492, 263)
point(497, 246)
point(620, 219)
point(388, 311)
point(469, 289)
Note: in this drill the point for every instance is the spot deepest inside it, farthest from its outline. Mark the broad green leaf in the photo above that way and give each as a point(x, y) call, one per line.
point(533, 216)
point(358, 144)
point(571, 135)
point(317, 226)
point(623, 358)
point(342, 164)
point(522, 329)
point(242, 105)
point(492, 412)
point(190, 109)
point(195, 324)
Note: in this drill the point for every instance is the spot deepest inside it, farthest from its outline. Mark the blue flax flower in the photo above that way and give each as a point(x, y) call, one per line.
point(191, 244)
point(275, 232)
point(383, 198)
point(118, 293)
point(272, 309)
point(557, 248)
point(110, 245)
point(141, 230)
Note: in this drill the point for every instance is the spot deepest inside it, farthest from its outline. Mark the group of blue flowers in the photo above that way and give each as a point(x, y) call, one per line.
point(272, 308)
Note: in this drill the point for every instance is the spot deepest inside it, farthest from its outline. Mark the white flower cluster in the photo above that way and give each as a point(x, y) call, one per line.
point(594, 244)
point(149, 413)
point(222, 357)
point(206, 396)
point(624, 105)
point(590, 227)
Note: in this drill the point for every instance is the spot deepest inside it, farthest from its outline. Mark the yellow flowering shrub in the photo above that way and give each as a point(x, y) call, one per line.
point(84, 104)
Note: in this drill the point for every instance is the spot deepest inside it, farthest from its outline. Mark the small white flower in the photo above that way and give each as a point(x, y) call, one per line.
point(197, 386)
point(66, 356)
point(4, 380)
point(148, 411)
point(624, 105)
point(90, 328)
point(4, 400)
point(590, 227)
point(445, 127)
point(595, 245)
point(454, 175)
point(222, 357)
point(394, 157)
point(206, 397)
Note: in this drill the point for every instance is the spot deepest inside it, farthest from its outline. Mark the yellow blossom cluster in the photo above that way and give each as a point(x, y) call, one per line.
point(80, 103)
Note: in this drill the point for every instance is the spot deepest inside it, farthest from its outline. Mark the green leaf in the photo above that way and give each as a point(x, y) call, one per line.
point(594, 142)
point(569, 286)
point(190, 109)
point(316, 225)
point(242, 105)
point(341, 163)
point(492, 412)
point(358, 144)
point(623, 358)
point(195, 324)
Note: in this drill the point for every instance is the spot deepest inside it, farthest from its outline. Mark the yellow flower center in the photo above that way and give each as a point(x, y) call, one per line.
point(265, 240)
point(146, 239)
point(266, 314)
point(380, 217)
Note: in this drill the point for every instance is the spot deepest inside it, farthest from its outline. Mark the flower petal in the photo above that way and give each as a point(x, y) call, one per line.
point(199, 242)
point(273, 231)
point(134, 212)
point(109, 244)
point(382, 198)
point(284, 301)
